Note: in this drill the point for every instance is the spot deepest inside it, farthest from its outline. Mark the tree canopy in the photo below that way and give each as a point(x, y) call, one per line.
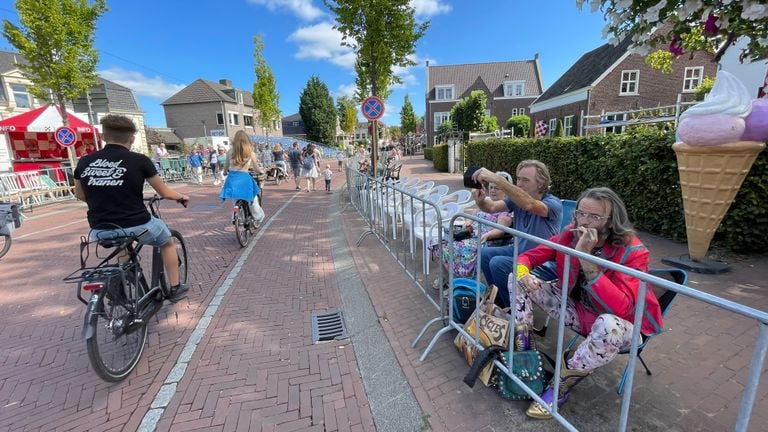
point(56, 38)
point(469, 113)
point(407, 117)
point(318, 112)
point(347, 111)
point(383, 34)
point(266, 99)
point(711, 25)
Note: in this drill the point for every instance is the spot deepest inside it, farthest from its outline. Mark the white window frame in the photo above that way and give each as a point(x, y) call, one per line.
point(247, 120)
point(24, 92)
point(521, 111)
point(239, 97)
point(616, 118)
point(234, 118)
point(568, 125)
point(443, 116)
point(514, 88)
point(219, 118)
point(691, 83)
point(626, 78)
point(444, 88)
point(552, 126)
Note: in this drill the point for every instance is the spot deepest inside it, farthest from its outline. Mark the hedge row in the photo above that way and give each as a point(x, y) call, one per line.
point(641, 167)
point(440, 157)
point(428, 153)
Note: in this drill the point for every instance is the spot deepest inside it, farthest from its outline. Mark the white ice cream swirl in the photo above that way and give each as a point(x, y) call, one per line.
point(727, 97)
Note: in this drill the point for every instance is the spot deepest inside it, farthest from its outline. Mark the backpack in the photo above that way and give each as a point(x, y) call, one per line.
point(309, 162)
point(464, 297)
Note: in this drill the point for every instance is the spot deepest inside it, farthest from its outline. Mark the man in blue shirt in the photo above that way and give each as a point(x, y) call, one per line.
point(196, 163)
point(536, 212)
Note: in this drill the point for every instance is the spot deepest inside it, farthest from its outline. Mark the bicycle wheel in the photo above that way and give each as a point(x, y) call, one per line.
point(5, 244)
point(117, 342)
point(181, 251)
point(241, 219)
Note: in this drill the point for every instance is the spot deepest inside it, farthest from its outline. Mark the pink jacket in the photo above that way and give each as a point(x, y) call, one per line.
point(610, 292)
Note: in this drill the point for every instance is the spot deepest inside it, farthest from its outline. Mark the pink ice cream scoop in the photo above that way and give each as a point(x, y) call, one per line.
point(757, 122)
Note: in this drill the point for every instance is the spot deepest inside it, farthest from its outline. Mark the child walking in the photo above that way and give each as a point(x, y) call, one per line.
point(327, 174)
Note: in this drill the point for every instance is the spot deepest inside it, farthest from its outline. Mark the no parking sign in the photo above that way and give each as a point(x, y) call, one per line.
point(65, 136)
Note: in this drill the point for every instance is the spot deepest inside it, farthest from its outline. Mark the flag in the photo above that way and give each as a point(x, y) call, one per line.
point(541, 129)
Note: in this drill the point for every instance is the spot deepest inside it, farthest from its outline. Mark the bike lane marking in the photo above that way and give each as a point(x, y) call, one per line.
point(168, 389)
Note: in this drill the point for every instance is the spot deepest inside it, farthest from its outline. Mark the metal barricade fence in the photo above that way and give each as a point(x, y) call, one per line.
point(398, 218)
point(761, 318)
point(37, 187)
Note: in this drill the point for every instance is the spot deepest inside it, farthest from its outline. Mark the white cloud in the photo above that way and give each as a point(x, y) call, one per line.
point(428, 8)
point(151, 87)
point(347, 90)
point(322, 42)
point(303, 9)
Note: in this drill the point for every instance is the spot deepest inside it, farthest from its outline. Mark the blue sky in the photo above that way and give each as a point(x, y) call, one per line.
point(158, 47)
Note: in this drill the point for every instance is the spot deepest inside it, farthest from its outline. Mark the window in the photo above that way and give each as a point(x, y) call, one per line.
point(295, 124)
point(615, 118)
point(219, 118)
point(552, 127)
point(444, 92)
point(441, 117)
point(239, 97)
point(20, 95)
point(629, 81)
point(568, 126)
point(518, 111)
point(247, 120)
point(514, 88)
point(234, 118)
point(2, 93)
point(692, 78)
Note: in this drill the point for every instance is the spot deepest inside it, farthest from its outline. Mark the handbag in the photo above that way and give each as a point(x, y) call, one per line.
point(527, 366)
point(493, 331)
point(258, 212)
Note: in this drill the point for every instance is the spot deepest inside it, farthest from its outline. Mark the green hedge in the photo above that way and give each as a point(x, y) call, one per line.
point(440, 157)
point(641, 167)
point(428, 153)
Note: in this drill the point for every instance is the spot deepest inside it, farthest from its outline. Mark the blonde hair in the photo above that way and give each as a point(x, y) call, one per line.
point(242, 149)
point(277, 147)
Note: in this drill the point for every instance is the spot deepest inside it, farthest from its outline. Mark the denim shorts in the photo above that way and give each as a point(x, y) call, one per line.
point(157, 235)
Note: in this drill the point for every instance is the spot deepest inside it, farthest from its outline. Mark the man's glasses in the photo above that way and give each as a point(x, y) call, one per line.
point(578, 214)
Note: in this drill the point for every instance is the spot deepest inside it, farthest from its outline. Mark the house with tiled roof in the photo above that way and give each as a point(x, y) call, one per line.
point(209, 109)
point(510, 88)
point(15, 97)
point(610, 87)
point(293, 126)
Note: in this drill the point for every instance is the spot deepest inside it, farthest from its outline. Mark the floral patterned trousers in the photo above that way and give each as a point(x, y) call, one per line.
point(608, 335)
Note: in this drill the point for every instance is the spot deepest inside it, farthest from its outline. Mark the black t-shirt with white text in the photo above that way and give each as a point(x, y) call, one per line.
point(113, 182)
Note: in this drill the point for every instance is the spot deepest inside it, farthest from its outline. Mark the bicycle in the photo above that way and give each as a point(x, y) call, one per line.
point(9, 220)
point(244, 222)
point(121, 301)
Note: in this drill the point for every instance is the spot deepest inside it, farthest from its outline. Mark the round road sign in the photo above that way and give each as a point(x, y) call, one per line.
point(65, 136)
point(373, 108)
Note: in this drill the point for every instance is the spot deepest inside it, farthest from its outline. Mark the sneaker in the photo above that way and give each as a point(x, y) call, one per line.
point(298, 188)
point(177, 293)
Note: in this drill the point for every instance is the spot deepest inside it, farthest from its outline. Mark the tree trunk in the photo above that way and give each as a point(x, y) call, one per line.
point(65, 121)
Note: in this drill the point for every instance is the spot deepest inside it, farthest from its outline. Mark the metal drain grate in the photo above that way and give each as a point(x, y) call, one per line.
point(328, 326)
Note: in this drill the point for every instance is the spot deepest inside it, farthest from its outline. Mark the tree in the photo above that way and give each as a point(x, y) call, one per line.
point(266, 99)
point(347, 111)
point(445, 127)
point(559, 129)
point(395, 133)
point(469, 113)
point(56, 38)
point(317, 111)
point(407, 117)
point(712, 25)
point(490, 124)
point(383, 34)
point(520, 124)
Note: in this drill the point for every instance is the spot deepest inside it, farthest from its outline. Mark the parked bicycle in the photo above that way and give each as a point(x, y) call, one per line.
point(10, 219)
point(121, 300)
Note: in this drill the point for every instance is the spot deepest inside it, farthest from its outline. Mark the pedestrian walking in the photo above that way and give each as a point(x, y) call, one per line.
point(196, 163)
point(340, 160)
point(294, 156)
point(327, 175)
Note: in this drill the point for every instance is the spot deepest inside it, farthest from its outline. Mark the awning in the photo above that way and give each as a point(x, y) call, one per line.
point(44, 119)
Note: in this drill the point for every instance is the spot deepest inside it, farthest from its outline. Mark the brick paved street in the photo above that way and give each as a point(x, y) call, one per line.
point(256, 367)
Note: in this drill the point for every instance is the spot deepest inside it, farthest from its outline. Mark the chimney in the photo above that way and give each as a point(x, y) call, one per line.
point(225, 82)
point(536, 56)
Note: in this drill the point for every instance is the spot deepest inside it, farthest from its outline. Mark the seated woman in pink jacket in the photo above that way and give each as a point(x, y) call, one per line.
point(601, 302)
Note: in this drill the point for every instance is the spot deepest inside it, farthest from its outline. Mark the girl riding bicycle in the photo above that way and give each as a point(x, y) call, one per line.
point(239, 183)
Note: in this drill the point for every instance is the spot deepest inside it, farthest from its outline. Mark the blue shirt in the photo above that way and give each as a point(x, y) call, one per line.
point(529, 223)
point(195, 161)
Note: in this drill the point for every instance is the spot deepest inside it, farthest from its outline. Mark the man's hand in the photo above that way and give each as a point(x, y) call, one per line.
point(587, 239)
point(484, 176)
point(183, 200)
point(478, 194)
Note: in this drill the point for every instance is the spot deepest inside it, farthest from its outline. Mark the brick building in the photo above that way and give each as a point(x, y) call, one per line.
point(606, 83)
point(509, 86)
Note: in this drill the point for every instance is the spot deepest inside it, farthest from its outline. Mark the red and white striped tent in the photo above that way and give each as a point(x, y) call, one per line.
point(30, 136)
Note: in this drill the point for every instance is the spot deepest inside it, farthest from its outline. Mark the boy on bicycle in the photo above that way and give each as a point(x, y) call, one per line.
point(111, 182)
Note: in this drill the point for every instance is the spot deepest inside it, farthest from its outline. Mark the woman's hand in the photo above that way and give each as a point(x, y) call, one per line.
point(587, 239)
point(484, 238)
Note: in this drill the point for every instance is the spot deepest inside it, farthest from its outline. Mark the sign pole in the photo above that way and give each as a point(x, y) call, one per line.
point(375, 148)
point(71, 154)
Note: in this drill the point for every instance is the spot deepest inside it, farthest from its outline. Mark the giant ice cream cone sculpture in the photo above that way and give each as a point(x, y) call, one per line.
point(712, 160)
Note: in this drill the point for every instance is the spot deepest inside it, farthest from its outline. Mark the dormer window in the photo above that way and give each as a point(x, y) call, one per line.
point(514, 88)
point(444, 92)
point(239, 98)
point(692, 80)
point(629, 82)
